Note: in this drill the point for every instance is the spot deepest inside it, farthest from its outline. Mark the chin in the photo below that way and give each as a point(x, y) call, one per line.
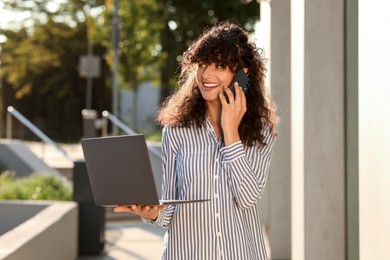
point(209, 99)
point(210, 96)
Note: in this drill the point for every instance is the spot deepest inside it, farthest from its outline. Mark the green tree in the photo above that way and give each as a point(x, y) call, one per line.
point(39, 12)
point(154, 34)
point(40, 68)
point(185, 20)
point(40, 58)
point(139, 42)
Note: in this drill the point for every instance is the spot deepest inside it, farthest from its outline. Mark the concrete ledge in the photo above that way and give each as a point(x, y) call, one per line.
point(50, 233)
point(17, 157)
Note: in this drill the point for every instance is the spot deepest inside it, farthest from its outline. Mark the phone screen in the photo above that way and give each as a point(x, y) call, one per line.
point(243, 81)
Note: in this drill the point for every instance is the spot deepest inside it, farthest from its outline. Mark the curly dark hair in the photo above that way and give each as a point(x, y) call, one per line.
point(228, 45)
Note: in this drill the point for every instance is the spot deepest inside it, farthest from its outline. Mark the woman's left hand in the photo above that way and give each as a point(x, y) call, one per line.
point(149, 212)
point(232, 113)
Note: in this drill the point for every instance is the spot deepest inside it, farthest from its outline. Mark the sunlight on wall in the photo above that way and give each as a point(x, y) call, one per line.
point(297, 128)
point(374, 127)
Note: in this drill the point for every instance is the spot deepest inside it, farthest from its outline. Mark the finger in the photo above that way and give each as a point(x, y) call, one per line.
point(123, 209)
point(242, 98)
point(118, 209)
point(161, 207)
point(229, 93)
point(239, 94)
point(222, 98)
point(134, 208)
point(243, 104)
point(151, 208)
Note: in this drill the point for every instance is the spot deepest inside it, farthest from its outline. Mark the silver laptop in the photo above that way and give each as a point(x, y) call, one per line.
point(120, 172)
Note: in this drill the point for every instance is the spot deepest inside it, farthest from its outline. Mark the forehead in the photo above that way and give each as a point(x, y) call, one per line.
point(222, 58)
point(215, 68)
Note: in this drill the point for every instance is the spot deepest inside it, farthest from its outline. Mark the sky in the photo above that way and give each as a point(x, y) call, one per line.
point(8, 17)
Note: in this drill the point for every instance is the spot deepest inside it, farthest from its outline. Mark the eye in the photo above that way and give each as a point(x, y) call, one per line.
point(220, 66)
point(201, 65)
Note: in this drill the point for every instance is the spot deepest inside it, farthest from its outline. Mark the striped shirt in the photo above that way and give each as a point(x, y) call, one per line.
point(197, 166)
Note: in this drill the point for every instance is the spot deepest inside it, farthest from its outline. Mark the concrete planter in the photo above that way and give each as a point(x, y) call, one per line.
point(38, 230)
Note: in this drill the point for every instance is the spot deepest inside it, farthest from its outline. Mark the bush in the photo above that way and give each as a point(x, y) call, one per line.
point(34, 187)
point(154, 136)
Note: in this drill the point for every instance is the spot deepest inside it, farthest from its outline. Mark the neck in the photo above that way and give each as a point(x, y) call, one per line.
point(214, 112)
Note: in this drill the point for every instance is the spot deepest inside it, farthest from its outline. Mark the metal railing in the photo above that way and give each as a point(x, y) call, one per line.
point(108, 116)
point(13, 112)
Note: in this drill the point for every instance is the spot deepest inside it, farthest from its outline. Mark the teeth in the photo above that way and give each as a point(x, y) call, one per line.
point(210, 85)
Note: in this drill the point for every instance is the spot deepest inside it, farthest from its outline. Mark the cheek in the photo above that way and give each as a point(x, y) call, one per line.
point(198, 76)
point(227, 79)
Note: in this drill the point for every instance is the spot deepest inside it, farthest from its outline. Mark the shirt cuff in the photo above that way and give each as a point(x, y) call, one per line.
point(233, 151)
point(153, 222)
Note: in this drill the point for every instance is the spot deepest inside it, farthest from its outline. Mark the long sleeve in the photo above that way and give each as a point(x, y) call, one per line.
point(247, 169)
point(169, 188)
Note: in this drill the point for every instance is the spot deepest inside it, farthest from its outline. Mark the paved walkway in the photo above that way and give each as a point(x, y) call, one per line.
point(130, 239)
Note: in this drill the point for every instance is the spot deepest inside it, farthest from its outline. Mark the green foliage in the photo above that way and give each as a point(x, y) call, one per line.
point(154, 34)
point(39, 12)
point(40, 69)
point(139, 46)
point(34, 187)
point(39, 60)
point(185, 20)
point(155, 136)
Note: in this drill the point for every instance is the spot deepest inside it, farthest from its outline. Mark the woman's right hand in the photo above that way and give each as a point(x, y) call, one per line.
point(232, 113)
point(146, 212)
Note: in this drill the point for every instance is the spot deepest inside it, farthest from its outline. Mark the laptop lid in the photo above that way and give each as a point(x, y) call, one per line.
point(120, 172)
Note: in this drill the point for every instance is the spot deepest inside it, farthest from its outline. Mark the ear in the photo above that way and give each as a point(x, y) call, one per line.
point(245, 70)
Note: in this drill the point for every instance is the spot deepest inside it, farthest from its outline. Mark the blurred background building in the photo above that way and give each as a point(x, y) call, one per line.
point(330, 77)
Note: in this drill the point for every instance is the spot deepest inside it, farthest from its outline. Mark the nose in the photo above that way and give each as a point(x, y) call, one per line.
point(207, 72)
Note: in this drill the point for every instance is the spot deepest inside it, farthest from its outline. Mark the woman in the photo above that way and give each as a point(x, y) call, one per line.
point(215, 146)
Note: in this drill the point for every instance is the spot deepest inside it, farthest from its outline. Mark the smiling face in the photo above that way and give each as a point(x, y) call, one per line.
point(212, 79)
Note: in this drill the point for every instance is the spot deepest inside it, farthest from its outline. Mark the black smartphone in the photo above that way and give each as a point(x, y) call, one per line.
point(243, 81)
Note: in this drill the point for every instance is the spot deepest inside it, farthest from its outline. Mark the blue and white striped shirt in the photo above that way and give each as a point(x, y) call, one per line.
point(197, 166)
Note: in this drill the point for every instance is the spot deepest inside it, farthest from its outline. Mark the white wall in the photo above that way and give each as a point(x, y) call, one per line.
point(148, 98)
point(279, 180)
point(374, 129)
point(317, 130)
